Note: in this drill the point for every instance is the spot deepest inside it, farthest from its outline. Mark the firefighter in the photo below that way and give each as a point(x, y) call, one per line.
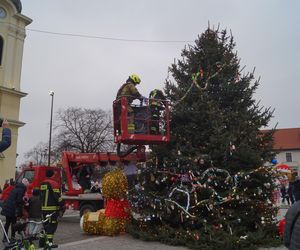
point(51, 200)
point(156, 104)
point(130, 91)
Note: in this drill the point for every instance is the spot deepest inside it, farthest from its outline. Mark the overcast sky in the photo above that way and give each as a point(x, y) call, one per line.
point(87, 72)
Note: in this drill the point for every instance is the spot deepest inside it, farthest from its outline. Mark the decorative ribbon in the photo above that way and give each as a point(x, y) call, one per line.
point(117, 209)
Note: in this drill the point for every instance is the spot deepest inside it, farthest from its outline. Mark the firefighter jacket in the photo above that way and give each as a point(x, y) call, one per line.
point(156, 98)
point(130, 91)
point(50, 196)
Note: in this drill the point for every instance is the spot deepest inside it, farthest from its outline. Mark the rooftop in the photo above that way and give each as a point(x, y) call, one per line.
point(287, 139)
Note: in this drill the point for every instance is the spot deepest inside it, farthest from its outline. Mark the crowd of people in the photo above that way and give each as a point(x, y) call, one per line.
point(87, 180)
point(45, 202)
point(290, 192)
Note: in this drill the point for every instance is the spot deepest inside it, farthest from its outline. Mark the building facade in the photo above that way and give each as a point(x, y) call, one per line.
point(12, 36)
point(287, 147)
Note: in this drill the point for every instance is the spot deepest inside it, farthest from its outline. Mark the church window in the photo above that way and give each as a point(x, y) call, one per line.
point(1, 49)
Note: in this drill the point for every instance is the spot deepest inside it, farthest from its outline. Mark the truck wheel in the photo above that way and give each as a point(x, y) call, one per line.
point(86, 208)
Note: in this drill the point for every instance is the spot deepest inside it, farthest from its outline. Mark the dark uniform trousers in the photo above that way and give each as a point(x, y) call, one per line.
point(51, 202)
point(156, 107)
point(51, 225)
point(154, 124)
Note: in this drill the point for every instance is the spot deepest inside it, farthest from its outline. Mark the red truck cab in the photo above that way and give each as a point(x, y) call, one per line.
point(35, 175)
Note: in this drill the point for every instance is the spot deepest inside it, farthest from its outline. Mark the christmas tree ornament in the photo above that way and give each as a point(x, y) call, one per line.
point(113, 219)
point(184, 209)
point(244, 237)
point(152, 177)
point(259, 191)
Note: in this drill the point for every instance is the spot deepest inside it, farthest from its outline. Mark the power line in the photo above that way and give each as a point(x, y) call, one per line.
point(109, 38)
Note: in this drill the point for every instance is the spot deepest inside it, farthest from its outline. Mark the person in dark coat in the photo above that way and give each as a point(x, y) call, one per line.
point(96, 188)
point(284, 195)
point(13, 206)
point(296, 190)
point(85, 178)
point(291, 192)
point(11, 182)
point(6, 136)
point(35, 206)
point(291, 236)
point(34, 212)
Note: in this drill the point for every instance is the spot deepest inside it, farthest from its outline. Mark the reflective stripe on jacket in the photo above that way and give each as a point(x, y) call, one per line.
point(50, 197)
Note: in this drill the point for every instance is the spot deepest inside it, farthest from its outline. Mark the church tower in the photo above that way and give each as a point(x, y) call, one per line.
point(12, 35)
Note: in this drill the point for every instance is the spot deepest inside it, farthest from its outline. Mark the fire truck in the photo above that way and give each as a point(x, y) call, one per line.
point(73, 195)
point(72, 162)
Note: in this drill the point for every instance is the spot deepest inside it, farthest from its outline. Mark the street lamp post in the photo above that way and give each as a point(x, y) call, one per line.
point(51, 93)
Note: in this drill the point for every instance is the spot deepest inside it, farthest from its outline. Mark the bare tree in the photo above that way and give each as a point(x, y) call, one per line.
point(83, 130)
point(76, 129)
point(38, 154)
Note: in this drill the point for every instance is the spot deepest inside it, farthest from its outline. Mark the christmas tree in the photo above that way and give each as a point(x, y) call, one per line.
point(208, 188)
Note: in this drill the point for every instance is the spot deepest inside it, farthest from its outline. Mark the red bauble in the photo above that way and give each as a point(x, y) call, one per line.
point(281, 227)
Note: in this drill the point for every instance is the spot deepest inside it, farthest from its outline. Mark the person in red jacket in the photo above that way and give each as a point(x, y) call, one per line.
point(50, 196)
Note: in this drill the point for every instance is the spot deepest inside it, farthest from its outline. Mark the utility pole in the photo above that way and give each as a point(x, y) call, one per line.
point(51, 93)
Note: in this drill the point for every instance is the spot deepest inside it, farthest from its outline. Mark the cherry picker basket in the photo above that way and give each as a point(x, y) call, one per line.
point(146, 118)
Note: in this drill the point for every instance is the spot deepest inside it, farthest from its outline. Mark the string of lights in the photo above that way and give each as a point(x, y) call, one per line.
point(108, 38)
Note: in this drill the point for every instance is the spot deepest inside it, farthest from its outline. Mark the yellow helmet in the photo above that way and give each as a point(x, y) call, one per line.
point(135, 78)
